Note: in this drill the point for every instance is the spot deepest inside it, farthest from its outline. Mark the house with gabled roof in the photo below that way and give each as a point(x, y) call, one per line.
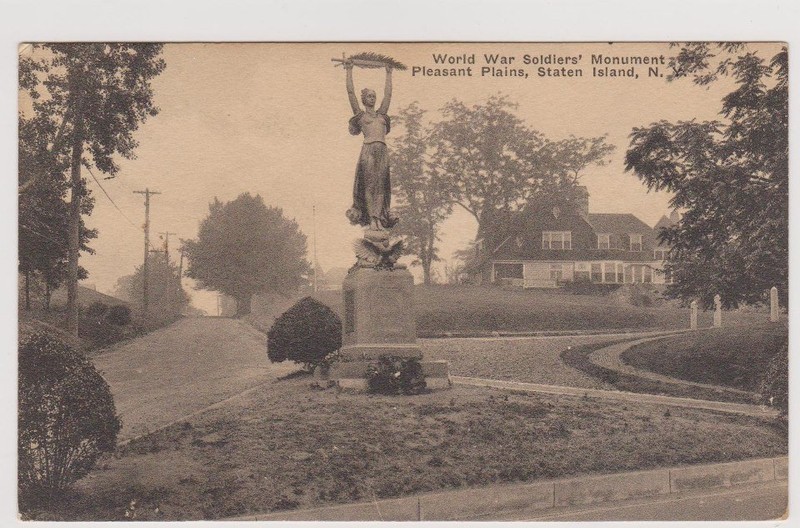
point(546, 246)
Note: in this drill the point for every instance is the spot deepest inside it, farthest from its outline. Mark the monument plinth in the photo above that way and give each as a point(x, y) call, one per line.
point(378, 314)
point(378, 294)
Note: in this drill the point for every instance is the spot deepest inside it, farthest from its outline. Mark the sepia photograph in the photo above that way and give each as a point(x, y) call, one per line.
point(402, 281)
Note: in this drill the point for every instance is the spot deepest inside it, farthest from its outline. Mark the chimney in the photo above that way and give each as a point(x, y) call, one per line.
point(582, 200)
point(674, 216)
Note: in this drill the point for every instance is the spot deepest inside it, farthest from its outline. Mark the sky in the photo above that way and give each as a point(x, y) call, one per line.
point(271, 119)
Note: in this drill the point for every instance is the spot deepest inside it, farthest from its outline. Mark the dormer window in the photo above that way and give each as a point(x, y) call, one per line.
point(660, 254)
point(636, 242)
point(604, 241)
point(556, 239)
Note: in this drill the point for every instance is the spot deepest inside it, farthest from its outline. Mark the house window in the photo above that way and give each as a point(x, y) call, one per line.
point(648, 274)
point(597, 272)
point(604, 241)
point(556, 240)
point(636, 242)
point(556, 272)
point(608, 272)
point(660, 254)
point(620, 272)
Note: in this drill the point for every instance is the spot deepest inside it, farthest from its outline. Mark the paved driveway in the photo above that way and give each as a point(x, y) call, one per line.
point(174, 371)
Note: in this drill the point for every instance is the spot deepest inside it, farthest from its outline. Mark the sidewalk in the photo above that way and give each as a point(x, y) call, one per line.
point(557, 497)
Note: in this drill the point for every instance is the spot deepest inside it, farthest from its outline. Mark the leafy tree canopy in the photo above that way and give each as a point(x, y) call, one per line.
point(166, 298)
point(730, 176)
point(244, 247)
point(496, 163)
point(424, 196)
point(84, 103)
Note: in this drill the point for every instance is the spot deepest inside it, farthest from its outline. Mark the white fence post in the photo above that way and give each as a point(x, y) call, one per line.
point(773, 304)
point(717, 311)
point(693, 316)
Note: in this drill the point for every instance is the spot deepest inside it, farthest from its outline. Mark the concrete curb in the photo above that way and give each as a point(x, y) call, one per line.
point(492, 502)
point(548, 333)
point(633, 397)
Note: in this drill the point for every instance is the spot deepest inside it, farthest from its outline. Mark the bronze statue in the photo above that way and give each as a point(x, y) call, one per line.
point(372, 186)
point(372, 189)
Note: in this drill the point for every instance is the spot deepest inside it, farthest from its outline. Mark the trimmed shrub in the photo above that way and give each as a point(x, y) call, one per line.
point(66, 417)
point(99, 331)
point(775, 384)
point(96, 309)
point(305, 333)
point(587, 287)
point(119, 315)
point(395, 375)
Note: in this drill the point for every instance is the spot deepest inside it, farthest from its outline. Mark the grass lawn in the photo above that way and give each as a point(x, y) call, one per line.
point(290, 446)
point(470, 309)
point(733, 357)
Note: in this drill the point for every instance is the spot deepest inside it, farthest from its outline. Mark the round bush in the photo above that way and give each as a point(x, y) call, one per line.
point(66, 416)
point(305, 333)
point(96, 309)
point(119, 315)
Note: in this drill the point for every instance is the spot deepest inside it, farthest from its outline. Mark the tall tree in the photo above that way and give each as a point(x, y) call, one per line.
point(43, 211)
point(424, 196)
point(731, 177)
point(244, 247)
point(496, 163)
point(166, 297)
point(93, 96)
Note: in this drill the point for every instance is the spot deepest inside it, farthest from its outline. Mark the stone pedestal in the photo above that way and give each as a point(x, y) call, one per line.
point(379, 321)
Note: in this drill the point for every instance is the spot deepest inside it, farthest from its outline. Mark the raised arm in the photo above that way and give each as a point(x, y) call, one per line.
point(387, 92)
point(351, 91)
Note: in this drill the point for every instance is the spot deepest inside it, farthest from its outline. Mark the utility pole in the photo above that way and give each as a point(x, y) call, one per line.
point(180, 266)
point(314, 238)
point(166, 243)
point(147, 192)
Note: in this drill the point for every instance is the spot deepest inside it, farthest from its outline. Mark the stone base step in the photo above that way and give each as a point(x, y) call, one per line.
point(376, 350)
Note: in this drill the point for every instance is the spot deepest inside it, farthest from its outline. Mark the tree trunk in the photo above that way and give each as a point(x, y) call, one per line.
point(426, 272)
point(74, 240)
point(47, 295)
point(27, 289)
point(426, 256)
point(243, 305)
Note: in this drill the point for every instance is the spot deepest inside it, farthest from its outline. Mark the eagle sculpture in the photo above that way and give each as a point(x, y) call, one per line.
point(378, 254)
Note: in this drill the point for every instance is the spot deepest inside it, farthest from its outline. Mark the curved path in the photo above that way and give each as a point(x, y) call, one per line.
point(178, 370)
point(632, 397)
point(610, 358)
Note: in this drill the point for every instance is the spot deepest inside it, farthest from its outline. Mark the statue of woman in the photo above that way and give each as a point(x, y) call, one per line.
point(372, 187)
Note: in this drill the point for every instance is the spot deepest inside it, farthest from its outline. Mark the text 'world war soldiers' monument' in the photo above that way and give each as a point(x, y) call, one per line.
point(378, 292)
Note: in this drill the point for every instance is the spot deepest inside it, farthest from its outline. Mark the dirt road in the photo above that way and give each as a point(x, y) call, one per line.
point(183, 368)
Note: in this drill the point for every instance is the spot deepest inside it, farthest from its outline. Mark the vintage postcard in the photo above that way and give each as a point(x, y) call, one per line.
point(403, 281)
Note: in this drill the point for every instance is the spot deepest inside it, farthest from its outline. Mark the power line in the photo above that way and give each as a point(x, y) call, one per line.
point(35, 232)
point(110, 199)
